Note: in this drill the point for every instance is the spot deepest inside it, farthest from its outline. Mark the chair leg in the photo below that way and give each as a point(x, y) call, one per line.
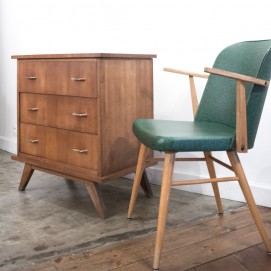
point(211, 170)
point(163, 208)
point(237, 167)
point(143, 152)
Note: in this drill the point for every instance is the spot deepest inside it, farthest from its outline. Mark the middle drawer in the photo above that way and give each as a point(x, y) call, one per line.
point(66, 112)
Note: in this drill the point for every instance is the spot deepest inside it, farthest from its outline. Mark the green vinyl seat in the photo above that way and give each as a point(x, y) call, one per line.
point(183, 136)
point(226, 119)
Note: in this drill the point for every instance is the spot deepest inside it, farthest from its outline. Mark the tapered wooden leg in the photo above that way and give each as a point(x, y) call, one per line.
point(145, 185)
point(138, 175)
point(211, 170)
point(96, 197)
point(26, 176)
point(237, 167)
point(163, 208)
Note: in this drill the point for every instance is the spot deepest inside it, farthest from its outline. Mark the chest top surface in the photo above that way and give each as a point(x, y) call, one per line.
point(83, 55)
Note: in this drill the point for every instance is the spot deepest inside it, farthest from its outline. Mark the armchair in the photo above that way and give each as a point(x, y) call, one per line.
point(226, 119)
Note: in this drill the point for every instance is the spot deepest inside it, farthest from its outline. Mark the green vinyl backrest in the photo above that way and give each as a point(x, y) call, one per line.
point(218, 102)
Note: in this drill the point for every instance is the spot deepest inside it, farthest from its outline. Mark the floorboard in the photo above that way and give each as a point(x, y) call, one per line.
point(213, 243)
point(254, 259)
point(223, 264)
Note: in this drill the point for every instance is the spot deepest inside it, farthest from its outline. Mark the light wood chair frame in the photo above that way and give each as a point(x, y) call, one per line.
point(235, 164)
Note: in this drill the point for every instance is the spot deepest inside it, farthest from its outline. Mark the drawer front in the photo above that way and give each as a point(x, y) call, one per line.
point(70, 147)
point(74, 78)
point(71, 113)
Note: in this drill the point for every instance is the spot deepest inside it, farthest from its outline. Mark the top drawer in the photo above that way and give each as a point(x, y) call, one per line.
point(72, 77)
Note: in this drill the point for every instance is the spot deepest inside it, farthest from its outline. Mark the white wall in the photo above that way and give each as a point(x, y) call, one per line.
point(184, 34)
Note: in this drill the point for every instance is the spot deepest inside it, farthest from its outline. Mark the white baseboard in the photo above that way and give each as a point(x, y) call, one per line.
point(9, 145)
point(229, 190)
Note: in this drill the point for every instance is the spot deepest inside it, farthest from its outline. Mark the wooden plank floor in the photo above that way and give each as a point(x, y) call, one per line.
point(216, 243)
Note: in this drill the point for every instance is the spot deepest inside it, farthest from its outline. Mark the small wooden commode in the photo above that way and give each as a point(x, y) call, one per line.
point(75, 113)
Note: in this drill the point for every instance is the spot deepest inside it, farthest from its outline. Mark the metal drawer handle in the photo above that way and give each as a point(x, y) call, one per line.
point(32, 140)
point(80, 114)
point(31, 77)
point(78, 79)
point(32, 108)
point(80, 151)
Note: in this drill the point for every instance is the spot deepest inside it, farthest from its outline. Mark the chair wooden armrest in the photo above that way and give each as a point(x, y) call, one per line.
point(241, 114)
point(238, 76)
point(192, 85)
point(193, 74)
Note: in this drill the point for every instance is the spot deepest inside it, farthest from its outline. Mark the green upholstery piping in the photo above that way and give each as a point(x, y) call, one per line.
point(214, 127)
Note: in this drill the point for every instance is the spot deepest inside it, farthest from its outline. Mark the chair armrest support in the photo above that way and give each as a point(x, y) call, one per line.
point(241, 114)
point(191, 76)
point(241, 117)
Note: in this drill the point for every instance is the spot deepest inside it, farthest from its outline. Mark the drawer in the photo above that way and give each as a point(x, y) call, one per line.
point(71, 113)
point(70, 147)
point(73, 77)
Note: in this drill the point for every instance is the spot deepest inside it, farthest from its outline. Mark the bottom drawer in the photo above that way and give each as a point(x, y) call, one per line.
point(75, 148)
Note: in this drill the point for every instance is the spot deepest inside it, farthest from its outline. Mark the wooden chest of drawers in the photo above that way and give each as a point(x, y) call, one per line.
point(75, 114)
